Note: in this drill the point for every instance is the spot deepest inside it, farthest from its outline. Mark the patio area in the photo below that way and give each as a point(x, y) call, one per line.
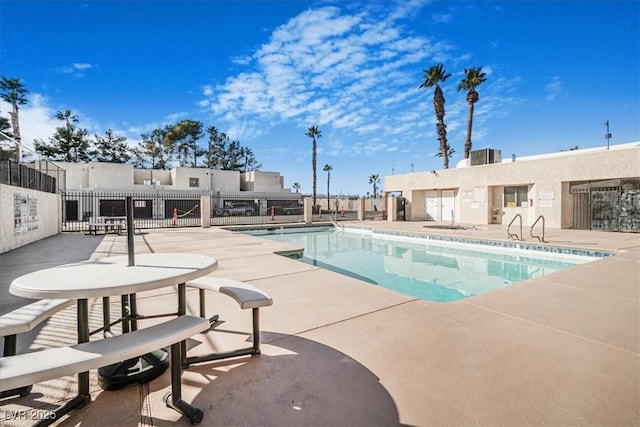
point(563, 349)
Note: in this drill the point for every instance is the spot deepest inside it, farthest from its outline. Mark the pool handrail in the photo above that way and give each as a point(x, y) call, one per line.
point(540, 239)
point(515, 235)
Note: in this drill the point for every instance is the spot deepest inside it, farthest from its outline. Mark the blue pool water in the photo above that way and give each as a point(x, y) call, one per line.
point(427, 269)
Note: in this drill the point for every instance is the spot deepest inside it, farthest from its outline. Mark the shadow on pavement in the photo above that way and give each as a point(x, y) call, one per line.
point(55, 250)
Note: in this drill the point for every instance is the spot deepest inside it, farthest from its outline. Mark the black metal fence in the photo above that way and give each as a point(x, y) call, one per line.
point(31, 176)
point(174, 209)
point(159, 209)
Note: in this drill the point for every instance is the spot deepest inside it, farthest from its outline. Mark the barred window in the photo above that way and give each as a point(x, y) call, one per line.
point(194, 182)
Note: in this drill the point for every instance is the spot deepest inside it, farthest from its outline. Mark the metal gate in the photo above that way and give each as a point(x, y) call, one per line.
point(612, 205)
point(162, 210)
point(149, 210)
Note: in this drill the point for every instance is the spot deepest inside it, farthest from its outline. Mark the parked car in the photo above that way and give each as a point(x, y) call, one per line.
point(236, 209)
point(280, 210)
point(290, 211)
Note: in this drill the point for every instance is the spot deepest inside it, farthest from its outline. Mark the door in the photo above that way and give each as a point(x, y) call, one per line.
point(448, 205)
point(71, 210)
point(605, 209)
point(431, 200)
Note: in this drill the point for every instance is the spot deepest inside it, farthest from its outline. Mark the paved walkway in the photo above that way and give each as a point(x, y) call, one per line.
point(562, 349)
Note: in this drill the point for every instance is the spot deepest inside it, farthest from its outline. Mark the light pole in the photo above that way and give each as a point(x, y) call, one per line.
point(607, 135)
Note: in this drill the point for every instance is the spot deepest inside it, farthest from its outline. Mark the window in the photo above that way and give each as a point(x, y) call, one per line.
point(516, 197)
point(194, 182)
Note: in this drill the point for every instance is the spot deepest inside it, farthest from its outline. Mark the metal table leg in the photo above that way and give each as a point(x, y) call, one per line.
point(83, 397)
point(173, 399)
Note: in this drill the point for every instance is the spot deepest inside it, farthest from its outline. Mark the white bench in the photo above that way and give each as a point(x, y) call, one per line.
point(25, 319)
point(29, 368)
point(247, 296)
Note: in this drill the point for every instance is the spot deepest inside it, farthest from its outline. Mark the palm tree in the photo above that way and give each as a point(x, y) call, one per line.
point(450, 151)
point(296, 186)
point(13, 92)
point(328, 168)
point(435, 75)
point(474, 77)
point(375, 180)
point(314, 133)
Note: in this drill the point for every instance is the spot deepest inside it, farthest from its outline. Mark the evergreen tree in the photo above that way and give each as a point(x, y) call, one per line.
point(151, 151)
point(225, 154)
point(13, 92)
point(6, 140)
point(183, 138)
point(112, 148)
point(69, 143)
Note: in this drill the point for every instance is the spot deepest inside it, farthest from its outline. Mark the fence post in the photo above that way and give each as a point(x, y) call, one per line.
point(308, 210)
point(205, 211)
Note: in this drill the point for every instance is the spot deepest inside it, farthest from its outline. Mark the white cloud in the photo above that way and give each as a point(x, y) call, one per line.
point(355, 74)
point(554, 89)
point(37, 120)
point(77, 69)
point(82, 66)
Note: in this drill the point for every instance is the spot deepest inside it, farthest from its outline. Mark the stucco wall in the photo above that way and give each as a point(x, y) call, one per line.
point(76, 174)
point(26, 216)
point(182, 177)
point(479, 188)
point(110, 175)
point(225, 181)
point(97, 175)
point(162, 177)
point(261, 181)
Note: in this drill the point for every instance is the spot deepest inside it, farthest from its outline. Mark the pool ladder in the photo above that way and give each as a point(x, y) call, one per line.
point(540, 239)
point(514, 235)
point(519, 237)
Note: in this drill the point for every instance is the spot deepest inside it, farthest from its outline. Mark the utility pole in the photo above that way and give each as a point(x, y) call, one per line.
point(607, 135)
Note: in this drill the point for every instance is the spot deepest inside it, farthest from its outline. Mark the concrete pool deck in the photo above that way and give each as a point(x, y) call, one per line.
point(563, 349)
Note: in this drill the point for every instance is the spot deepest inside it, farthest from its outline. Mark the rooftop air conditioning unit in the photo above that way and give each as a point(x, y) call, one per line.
point(485, 156)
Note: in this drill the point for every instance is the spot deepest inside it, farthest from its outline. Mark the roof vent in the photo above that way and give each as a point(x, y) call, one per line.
point(485, 156)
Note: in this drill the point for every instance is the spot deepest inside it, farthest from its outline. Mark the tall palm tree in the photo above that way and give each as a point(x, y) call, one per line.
point(435, 75)
point(473, 77)
point(296, 186)
point(450, 151)
point(13, 92)
point(328, 168)
point(375, 180)
point(314, 133)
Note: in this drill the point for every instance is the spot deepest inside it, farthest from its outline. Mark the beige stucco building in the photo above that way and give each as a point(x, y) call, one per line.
point(124, 177)
point(596, 188)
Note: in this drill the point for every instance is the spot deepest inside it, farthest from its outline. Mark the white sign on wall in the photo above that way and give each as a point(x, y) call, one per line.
point(547, 195)
point(479, 194)
point(25, 213)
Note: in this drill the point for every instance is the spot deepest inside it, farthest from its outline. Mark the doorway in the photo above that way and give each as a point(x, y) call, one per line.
point(448, 205)
point(431, 205)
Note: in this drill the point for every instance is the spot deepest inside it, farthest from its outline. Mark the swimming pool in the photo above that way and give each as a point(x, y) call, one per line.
point(424, 267)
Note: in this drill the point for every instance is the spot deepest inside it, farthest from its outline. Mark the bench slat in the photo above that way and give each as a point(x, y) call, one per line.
point(29, 368)
point(24, 319)
point(246, 295)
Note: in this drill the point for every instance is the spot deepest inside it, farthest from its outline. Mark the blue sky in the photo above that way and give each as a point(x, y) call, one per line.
point(264, 71)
